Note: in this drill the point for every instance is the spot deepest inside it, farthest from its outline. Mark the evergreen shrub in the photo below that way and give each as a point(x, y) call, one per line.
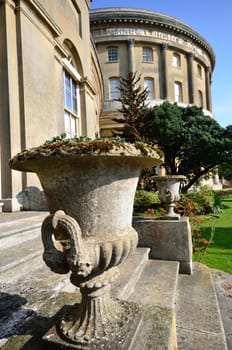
point(145, 200)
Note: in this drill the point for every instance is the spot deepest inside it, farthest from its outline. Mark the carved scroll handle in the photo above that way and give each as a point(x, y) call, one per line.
point(62, 228)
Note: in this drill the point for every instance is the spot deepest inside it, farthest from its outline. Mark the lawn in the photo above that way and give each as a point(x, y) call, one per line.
point(219, 253)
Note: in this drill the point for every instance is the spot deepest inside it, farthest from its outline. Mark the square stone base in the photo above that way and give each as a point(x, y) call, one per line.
point(168, 240)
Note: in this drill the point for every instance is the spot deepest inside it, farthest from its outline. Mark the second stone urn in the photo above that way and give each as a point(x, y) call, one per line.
point(168, 188)
point(90, 189)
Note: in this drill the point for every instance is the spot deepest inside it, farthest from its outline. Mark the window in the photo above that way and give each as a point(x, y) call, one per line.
point(112, 54)
point(178, 91)
point(114, 88)
point(147, 54)
point(200, 98)
point(149, 85)
point(199, 71)
point(70, 105)
point(176, 60)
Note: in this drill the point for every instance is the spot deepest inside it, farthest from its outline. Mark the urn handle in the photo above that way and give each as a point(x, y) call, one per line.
point(64, 230)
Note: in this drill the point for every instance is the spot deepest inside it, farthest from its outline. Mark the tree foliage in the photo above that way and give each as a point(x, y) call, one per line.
point(133, 98)
point(192, 142)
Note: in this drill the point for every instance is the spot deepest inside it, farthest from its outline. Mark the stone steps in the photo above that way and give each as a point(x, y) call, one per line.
point(20, 246)
point(177, 309)
point(199, 322)
point(156, 290)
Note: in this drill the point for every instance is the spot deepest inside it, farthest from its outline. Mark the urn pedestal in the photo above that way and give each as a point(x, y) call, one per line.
point(90, 191)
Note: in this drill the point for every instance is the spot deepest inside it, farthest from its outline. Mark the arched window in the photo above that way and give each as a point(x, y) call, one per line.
point(149, 85)
point(178, 96)
point(147, 54)
point(114, 92)
point(176, 61)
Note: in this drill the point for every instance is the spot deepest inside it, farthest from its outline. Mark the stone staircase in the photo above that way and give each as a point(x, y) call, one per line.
point(20, 244)
point(181, 311)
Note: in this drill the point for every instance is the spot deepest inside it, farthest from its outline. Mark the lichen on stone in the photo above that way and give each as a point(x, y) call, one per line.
point(78, 147)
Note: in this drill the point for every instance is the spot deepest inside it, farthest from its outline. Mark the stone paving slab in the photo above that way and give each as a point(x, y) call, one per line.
point(11, 223)
point(199, 323)
point(157, 284)
point(156, 290)
point(31, 306)
point(223, 286)
point(15, 216)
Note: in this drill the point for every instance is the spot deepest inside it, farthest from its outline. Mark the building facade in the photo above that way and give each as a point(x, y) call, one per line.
point(59, 72)
point(50, 83)
point(174, 61)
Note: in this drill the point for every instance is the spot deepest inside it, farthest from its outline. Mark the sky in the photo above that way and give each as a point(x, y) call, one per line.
point(213, 21)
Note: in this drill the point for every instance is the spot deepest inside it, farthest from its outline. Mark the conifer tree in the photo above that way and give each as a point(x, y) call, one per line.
point(133, 102)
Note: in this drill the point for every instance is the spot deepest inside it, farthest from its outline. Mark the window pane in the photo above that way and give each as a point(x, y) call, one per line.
point(67, 124)
point(176, 60)
point(178, 91)
point(149, 85)
point(74, 88)
point(200, 98)
point(114, 88)
point(68, 99)
point(70, 125)
point(71, 94)
point(147, 55)
point(73, 126)
point(74, 97)
point(67, 82)
point(74, 105)
point(113, 54)
point(70, 90)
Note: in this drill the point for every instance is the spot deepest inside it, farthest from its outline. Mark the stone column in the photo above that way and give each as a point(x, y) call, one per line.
point(164, 73)
point(10, 133)
point(208, 89)
point(190, 79)
point(131, 44)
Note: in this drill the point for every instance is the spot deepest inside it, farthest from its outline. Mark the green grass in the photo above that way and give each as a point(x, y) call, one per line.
point(219, 253)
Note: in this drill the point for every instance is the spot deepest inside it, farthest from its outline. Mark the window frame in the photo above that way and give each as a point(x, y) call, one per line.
point(71, 112)
point(147, 58)
point(199, 71)
point(176, 60)
point(200, 98)
point(114, 90)
point(178, 91)
point(112, 57)
point(151, 93)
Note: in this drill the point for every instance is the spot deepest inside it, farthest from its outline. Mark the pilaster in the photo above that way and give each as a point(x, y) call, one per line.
point(131, 60)
point(190, 79)
point(208, 89)
point(164, 72)
point(10, 140)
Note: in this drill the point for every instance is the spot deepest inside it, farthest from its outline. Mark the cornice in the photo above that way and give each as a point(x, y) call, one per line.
point(123, 15)
point(42, 13)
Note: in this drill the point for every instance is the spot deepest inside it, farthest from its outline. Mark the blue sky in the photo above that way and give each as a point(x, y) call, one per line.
point(213, 21)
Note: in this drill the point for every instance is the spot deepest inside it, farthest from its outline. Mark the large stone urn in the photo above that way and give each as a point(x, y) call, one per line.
point(90, 189)
point(168, 188)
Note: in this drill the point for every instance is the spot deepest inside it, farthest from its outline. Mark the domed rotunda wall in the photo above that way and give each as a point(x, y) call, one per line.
point(175, 62)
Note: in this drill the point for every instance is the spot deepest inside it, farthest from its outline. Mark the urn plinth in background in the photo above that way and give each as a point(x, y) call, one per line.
point(168, 188)
point(89, 187)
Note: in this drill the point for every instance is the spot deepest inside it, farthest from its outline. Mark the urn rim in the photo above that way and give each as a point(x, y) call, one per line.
point(82, 149)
